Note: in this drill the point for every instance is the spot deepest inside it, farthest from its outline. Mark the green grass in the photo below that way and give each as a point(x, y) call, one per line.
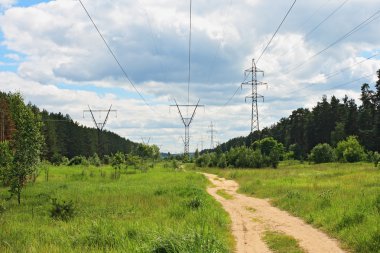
point(341, 199)
point(224, 194)
point(158, 211)
point(281, 243)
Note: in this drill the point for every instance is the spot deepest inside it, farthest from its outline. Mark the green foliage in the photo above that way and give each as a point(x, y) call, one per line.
point(138, 213)
point(27, 145)
point(6, 159)
point(350, 150)
point(78, 160)
point(343, 199)
point(281, 243)
point(62, 210)
point(118, 160)
point(222, 163)
point(322, 153)
point(95, 160)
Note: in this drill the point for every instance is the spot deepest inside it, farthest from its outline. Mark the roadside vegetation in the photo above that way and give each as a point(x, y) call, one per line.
point(282, 243)
point(342, 199)
point(85, 209)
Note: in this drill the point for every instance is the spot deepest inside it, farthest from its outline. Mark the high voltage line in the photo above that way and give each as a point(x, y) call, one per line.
point(262, 53)
point(189, 77)
point(366, 22)
point(307, 35)
point(278, 28)
point(115, 58)
point(334, 73)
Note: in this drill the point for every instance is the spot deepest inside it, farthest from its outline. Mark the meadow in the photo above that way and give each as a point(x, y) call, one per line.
point(162, 210)
point(339, 198)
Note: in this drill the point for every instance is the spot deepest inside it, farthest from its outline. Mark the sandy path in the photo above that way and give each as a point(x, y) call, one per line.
point(251, 217)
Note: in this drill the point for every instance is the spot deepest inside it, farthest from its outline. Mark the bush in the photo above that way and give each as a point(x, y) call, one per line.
point(374, 157)
point(56, 159)
point(78, 160)
point(95, 160)
point(203, 161)
point(222, 163)
point(62, 210)
point(350, 150)
point(322, 153)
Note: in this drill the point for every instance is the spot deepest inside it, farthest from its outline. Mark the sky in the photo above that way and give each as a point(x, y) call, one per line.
point(52, 54)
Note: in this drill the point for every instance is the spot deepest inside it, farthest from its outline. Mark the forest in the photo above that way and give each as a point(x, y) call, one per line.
point(64, 137)
point(330, 121)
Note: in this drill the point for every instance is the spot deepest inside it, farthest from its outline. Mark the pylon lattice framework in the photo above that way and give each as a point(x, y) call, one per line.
point(99, 125)
point(254, 83)
point(212, 131)
point(186, 122)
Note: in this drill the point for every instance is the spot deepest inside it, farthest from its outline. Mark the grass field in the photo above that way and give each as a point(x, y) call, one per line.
point(341, 199)
point(159, 211)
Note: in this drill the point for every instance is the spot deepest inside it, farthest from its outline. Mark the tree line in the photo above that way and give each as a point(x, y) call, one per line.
point(64, 137)
point(331, 121)
point(29, 135)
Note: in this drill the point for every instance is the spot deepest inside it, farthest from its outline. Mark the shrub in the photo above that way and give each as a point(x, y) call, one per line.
point(95, 160)
point(78, 160)
point(322, 153)
point(62, 210)
point(56, 159)
point(374, 157)
point(222, 163)
point(350, 150)
point(203, 161)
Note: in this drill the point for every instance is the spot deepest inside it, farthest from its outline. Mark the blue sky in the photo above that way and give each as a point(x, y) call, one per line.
point(58, 61)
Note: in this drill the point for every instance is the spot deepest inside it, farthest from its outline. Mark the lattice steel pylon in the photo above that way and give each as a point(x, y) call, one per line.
point(254, 83)
point(186, 122)
point(212, 131)
point(99, 125)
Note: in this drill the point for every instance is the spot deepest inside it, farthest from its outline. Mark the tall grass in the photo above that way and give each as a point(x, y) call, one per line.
point(341, 199)
point(158, 211)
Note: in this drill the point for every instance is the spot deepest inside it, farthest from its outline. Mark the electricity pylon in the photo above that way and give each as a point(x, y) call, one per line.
point(99, 125)
point(144, 142)
point(211, 131)
point(254, 83)
point(186, 122)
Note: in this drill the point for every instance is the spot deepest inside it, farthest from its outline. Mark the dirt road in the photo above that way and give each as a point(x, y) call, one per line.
point(251, 217)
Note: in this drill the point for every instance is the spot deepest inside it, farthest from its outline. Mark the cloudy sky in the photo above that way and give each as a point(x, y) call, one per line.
point(52, 54)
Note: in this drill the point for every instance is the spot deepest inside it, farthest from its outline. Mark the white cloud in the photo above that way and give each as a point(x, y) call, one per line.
point(7, 3)
point(59, 45)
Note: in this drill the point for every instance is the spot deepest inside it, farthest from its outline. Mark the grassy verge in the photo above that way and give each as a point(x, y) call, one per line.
point(158, 211)
point(281, 243)
point(341, 199)
point(224, 194)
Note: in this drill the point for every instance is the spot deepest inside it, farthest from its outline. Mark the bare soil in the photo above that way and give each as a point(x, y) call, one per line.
point(251, 217)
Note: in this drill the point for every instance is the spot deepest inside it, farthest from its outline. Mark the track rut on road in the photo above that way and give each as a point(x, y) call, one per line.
point(251, 217)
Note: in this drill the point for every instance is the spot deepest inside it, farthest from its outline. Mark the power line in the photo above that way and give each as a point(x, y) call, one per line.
point(114, 57)
point(327, 18)
point(332, 74)
point(189, 77)
point(278, 28)
point(262, 53)
point(369, 20)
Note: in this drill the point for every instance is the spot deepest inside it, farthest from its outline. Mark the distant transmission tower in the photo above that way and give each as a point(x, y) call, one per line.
point(99, 125)
point(145, 142)
point(186, 122)
point(211, 131)
point(254, 83)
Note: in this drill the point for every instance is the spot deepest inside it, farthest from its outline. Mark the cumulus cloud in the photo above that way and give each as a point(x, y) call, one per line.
point(57, 44)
